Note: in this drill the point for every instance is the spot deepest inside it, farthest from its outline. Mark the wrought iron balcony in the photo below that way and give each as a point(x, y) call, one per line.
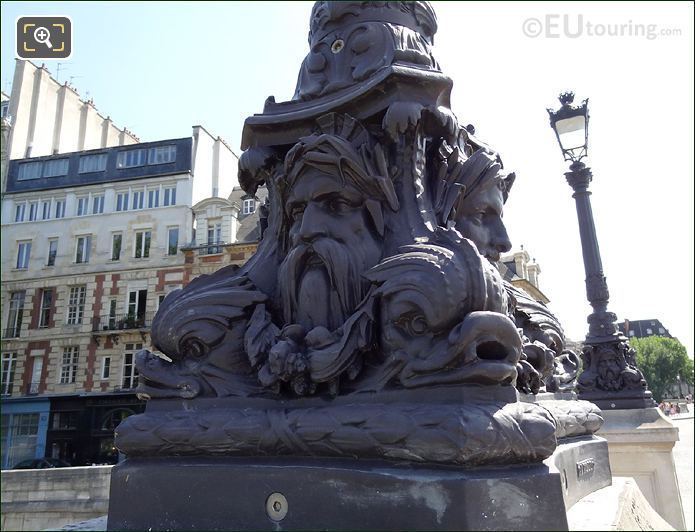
point(123, 322)
point(211, 248)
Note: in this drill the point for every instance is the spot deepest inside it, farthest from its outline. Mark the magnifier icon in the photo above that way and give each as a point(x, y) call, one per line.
point(43, 36)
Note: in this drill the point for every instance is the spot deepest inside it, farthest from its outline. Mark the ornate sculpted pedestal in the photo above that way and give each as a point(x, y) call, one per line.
point(361, 370)
point(404, 479)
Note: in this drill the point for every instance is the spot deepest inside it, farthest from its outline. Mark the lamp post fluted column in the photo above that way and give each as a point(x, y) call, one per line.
point(601, 322)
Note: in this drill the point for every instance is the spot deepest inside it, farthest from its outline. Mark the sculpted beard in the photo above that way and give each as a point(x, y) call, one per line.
point(340, 293)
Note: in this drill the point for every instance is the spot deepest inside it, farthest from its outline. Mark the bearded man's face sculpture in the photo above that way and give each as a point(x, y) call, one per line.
point(332, 244)
point(334, 227)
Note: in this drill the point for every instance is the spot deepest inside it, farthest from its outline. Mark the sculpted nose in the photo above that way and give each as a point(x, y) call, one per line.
point(312, 226)
point(501, 240)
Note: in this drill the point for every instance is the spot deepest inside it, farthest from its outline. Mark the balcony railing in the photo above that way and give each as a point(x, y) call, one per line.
point(122, 322)
point(210, 248)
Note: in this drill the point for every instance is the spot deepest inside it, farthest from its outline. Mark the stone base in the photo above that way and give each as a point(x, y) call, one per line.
point(640, 444)
point(620, 506)
point(304, 494)
point(229, 493)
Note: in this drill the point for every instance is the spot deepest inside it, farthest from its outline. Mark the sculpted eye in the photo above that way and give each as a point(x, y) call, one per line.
point(296, 212)
point(475, 218)
point(418, 325)
point(339, 205)
point(413, 324)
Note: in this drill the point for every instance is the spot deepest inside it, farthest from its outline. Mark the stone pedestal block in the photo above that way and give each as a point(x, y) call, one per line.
point(620, 506)
point(227, 493)
point(311, 494)
point(640, 444)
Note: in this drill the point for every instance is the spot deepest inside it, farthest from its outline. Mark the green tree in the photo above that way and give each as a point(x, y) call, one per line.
point(662, 360)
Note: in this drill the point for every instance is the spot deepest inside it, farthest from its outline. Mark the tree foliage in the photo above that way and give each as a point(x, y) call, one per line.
point(662, 360)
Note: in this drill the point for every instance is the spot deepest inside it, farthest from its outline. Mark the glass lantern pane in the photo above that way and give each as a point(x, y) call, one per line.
point(572, 132)
point(567, 125)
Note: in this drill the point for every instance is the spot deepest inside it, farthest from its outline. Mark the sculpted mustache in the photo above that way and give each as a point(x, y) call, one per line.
point(341, 266)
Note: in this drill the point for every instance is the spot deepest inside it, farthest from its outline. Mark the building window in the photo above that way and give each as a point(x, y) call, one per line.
point(9, 361)
point(137, 304)
point(22, 431)
point(76, 304)
point(33, 211)
point(68, 367)
point(169, 196)
point(46, 307)
point(661, 330)
point(631, 333)
point(92, 163)
point(36, 369)
point(249, 206)
point(84, 245)
point(649, 331)
point(60, 208)
point(122, 201)
point(46, 210)
point(138, 199)
point(4, 108)
point(162, 155)
point(130, 372)
point(23, 253)
point(52, 252)
point(64, 420)
point(14, 315)
point(98, 204)
point(112, 314)
point(82, 204)
point(215, 237)
point(30, 170)
point(19, 211)
point(131, 158)
point(142, 244)
point(116, 242)
point(55, 168)
point(153, 198)
point(105, 368)
point(173, 241)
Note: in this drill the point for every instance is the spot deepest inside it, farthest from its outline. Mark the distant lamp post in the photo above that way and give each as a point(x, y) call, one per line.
point(610, 378)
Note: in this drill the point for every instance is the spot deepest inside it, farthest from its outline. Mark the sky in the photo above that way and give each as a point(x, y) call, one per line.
point(159, 68)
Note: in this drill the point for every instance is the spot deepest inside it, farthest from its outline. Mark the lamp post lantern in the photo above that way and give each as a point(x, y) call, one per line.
point(610, 378)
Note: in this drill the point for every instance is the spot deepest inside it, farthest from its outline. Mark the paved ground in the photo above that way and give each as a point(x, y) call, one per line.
point(683, 456)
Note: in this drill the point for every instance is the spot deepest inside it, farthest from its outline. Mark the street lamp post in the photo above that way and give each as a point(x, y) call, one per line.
point(610, 377)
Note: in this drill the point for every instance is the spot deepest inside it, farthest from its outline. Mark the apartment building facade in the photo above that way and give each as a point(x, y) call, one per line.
point(91, 245)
